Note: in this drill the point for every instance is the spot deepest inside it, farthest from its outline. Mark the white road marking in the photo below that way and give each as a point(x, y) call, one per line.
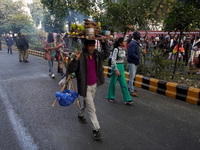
point(25, 78)
point(26, 142)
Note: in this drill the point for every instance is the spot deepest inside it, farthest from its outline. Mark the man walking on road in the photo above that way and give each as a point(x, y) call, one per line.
point(133, 61)
point(22, 45)
point(88, 66)
point(20, 51)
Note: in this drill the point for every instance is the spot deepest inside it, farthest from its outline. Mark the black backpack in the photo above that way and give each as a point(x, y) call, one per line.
point(110, 59)
point(22, 43)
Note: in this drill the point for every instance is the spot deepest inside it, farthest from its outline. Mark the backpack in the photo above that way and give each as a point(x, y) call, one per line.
point(22, 43)
point(110, 59)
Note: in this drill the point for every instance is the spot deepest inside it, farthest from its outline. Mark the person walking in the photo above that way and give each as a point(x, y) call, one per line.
point(187, 47)
point(20, 51)
point(59, 41)
point(133, 61)
point(51, 49)
point(9, 41)
point(117, 72)
point(152, 46)
point(26, 46)
point(194, 58)
point(197, 39)
point(0, 44)
point(23, 45)
point(88, 67)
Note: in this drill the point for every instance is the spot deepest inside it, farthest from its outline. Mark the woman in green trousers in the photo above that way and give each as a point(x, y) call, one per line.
point(117, 73)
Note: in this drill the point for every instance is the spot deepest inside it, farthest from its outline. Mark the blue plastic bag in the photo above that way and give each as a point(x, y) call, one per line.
point(67, 97)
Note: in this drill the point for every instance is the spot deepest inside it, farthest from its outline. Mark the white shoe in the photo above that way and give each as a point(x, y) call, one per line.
point(52, 75)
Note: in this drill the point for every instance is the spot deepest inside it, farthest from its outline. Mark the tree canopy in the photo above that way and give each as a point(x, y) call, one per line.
point(8, 9)
point(36, 10)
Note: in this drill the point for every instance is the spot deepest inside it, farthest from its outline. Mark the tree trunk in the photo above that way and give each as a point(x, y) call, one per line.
point(181, 33)
point(146, 30)
point(125, 32)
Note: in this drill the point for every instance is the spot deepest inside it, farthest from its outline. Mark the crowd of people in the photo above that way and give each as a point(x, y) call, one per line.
point(168, 46)
point(88, 64)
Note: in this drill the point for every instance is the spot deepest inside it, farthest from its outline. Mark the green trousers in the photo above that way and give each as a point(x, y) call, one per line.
point(122, 82)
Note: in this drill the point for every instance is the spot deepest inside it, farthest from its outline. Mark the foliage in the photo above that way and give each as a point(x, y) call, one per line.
point(19, 23)
point(156, 65)
point(36, 10)
point(55, 15)
point(124, 16)
point(120, 15)
point(183, 17)
point(8, 9)
point(158, 11)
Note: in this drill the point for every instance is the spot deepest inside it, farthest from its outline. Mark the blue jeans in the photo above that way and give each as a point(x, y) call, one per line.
point(51, 65)
point(132, 71)
point(10, 49)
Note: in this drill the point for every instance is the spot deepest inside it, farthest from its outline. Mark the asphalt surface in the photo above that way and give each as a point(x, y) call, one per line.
point(29, 122)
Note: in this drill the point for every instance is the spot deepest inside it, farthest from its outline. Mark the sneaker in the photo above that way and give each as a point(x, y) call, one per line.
point(20, 61)
point(128, 102)
point(134, 94)
point(26, 61)
point(52, 75)
point(111, 100)
point(82, 119)
point(96, 135)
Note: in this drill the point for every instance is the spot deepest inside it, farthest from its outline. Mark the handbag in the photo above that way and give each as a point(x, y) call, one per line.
point(47, 52)
point(47, 55)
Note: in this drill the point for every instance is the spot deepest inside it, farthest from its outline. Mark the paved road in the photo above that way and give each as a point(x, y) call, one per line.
point(28, 122)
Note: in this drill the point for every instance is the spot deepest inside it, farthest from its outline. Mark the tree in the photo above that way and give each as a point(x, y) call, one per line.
point(19, 22)
point(36, 10)
point(8, 8)
point(55, 14)
point(125, 14)
point(183, 17)
point(120, 15)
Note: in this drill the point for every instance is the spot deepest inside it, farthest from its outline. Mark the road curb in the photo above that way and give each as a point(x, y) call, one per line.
point(170, 89)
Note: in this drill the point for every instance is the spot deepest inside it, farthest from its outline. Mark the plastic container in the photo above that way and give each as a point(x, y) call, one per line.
point(107, 33)
point(90, 32)
point(104, 32)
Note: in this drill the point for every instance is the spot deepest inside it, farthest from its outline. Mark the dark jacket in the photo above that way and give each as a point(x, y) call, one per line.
point(187, 47)
point(25, 45)
point(9, 41)
point(80, 68)
point(133, 53)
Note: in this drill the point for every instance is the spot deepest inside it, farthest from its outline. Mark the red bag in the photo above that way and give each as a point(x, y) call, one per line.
point(196, 60)
point(47, 54)
point(47, 51)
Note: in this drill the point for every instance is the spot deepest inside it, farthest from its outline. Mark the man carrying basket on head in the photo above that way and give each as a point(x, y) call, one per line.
point(88, 67)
